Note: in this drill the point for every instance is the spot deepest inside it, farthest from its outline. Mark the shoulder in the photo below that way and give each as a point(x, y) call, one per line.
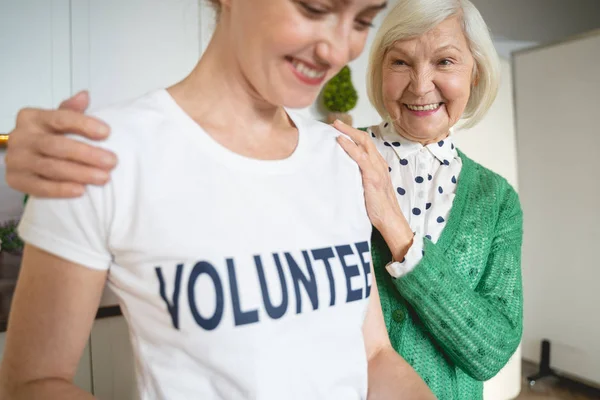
point(491, 184)
point(318, 136)
point(138, 120)
point(315, 129)
point(324, 149)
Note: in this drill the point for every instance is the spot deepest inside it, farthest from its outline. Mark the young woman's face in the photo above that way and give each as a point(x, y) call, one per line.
point(287, 49)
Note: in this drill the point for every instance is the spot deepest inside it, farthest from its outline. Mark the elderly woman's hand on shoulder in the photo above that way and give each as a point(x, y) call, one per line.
point(382, 206)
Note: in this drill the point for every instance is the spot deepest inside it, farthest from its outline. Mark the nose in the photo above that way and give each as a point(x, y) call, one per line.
point(334, 47)
point(421, 81)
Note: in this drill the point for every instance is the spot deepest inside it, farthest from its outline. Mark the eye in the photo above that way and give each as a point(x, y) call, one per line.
point(446, 62)
point(314, 10)
point(398, 62)
point(362, 25)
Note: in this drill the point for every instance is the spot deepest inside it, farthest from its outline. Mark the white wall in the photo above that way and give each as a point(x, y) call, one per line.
point(557, 89)
point(492, 142)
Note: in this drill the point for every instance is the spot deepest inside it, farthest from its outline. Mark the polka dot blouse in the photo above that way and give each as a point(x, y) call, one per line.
point(425, 179)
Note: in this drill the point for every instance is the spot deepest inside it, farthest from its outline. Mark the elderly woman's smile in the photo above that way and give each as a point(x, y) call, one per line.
point(423, 110)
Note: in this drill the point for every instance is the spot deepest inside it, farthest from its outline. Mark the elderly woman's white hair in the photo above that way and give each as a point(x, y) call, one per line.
point(412, 18)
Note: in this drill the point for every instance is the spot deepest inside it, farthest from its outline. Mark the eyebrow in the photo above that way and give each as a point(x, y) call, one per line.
point(394, 49)
point(447, 47)
point(440, 50)
point(376, 7)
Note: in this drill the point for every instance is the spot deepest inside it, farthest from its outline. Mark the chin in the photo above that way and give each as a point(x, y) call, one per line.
point(299, 100)
point(424, 133)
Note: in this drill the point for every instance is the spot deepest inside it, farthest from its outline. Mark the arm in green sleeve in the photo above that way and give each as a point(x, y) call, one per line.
point(479, 329)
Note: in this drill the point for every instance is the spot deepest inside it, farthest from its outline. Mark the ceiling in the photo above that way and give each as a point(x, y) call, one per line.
point(539, 21)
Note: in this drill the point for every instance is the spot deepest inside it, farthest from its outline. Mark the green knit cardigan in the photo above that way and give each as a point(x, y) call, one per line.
point(457, 317)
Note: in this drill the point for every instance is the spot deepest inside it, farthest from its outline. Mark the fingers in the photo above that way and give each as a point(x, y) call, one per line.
point(79, 102)
point(355, 152)
point(65, 171)
point(363, 151)
point(62, 121)
point(68, 149)
point(359, 137)
point(69, 121)
point(40, 187)
point(43, 162)
point(23, 164)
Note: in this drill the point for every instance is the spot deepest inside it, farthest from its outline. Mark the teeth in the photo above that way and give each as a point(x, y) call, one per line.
point(428, 107)
point(307, 71)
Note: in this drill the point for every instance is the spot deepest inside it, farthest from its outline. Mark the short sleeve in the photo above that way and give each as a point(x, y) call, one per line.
point(73, 229)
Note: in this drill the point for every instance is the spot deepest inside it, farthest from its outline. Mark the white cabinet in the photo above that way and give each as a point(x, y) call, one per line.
point(124, 48)
point(113, 372)
point(35, 56)
point(35, 69)
point(117, 49)
point(83, 376)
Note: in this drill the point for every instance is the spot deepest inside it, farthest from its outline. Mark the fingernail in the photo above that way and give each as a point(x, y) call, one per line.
point(100, 176)
point(77, 191)
point(339, 121)
point(102, 130)
point(109, 160)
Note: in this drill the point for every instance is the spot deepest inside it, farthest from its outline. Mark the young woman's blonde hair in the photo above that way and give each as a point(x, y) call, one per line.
point(412, 18)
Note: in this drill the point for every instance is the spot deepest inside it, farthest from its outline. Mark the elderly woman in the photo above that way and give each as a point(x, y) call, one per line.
point(448, 265)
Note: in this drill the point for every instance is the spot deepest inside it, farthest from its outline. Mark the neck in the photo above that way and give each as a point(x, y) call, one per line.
point(420, 139)
point(218, 96)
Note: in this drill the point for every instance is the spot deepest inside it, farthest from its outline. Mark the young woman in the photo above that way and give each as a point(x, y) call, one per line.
point(234, 232)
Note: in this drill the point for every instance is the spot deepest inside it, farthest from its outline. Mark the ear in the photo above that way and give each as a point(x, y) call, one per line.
point(475, 78)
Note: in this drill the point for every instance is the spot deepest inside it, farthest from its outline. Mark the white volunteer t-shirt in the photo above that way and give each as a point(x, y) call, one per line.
point(239, 278)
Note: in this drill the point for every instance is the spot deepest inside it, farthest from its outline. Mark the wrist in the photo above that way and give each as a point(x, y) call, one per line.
point(397, 234)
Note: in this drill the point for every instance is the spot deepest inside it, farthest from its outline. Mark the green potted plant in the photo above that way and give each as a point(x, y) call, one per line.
point(340, 96)
point(10, 242)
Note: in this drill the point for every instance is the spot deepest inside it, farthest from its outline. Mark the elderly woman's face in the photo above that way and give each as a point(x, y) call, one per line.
point(427, 82)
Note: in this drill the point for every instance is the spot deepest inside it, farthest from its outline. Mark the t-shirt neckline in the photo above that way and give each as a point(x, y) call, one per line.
point(228, 157)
